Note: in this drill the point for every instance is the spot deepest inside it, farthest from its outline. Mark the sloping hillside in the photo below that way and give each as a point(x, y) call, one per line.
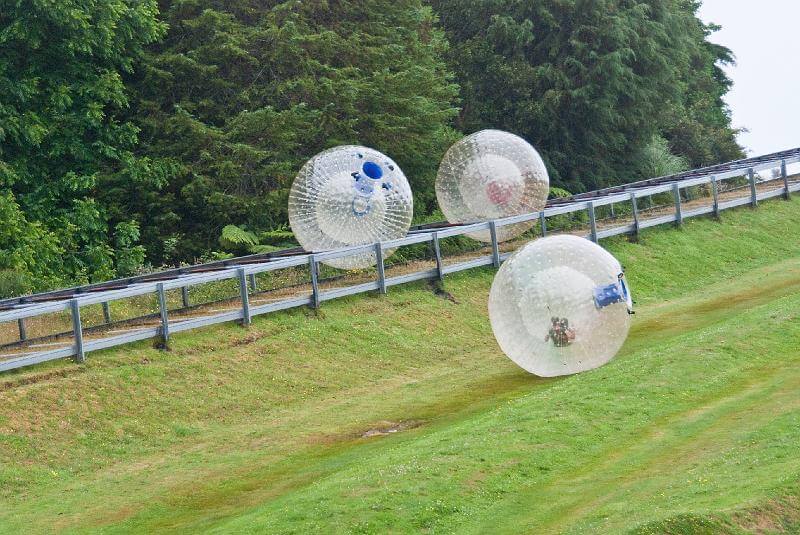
point(400, 412)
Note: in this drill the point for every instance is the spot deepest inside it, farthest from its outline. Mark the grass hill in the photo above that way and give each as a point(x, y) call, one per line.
point(399, 413)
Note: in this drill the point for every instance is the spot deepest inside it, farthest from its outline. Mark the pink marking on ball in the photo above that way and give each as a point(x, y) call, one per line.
point(499, 192)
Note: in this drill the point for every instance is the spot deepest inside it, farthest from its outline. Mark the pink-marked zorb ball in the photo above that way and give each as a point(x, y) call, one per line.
point(560, 305)
point(492, 174)
point(347, 196)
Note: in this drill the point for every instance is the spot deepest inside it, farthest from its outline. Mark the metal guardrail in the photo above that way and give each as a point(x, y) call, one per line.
point(246, 271)
point(77, 291)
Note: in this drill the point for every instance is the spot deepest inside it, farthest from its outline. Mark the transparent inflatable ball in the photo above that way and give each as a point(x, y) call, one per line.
point(349, 195)
point(492, 174)
point(560, 305)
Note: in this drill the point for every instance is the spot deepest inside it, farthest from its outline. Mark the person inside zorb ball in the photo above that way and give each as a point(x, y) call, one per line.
point(560, 305)
point(491, 174)
point(349, 195)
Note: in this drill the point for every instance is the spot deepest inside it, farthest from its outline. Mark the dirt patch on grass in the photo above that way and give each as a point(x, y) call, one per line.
point(251, 338)
point(39, 377)
point(387, 428)
point(775, 516)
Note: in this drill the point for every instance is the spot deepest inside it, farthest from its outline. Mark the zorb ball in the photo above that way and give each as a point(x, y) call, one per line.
point(347, 196)
point(560, 305)
point(489, 175)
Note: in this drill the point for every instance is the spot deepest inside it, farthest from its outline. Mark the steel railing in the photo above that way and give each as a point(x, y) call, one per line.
point(246, 269)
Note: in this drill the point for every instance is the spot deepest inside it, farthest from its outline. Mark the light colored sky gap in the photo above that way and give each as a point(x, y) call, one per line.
point(765, 99)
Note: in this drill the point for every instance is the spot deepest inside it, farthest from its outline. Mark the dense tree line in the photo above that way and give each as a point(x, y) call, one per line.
point(136, 131)
point(239, 95)
point(62, 133)
point(592, 83)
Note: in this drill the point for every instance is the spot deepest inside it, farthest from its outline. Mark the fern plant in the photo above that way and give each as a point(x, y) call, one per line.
point(241, 241)
point(237, 239)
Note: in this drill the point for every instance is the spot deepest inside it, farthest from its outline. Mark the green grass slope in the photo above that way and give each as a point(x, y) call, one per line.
point(693, 428)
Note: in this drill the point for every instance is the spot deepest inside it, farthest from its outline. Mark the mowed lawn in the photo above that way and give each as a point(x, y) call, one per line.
point(693, 428)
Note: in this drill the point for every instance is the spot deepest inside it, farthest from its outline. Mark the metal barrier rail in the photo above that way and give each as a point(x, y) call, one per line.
point(246, 271)
point(68, 293)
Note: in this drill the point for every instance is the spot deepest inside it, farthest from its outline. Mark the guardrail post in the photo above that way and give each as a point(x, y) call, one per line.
point(751, 177)
point(438, 252)
point(592, 221)
point(635, 209)
point(162, 311)
point(185, 296)
point(543, 223)
point(676, 190)
point(314, 268)
point(23, 332)
point(715, 196)
point(77, 329)
point(381, 268)
point(787, 194)
point(495, 244)
point(246, 319)
point(106, 312)
point(253, 284)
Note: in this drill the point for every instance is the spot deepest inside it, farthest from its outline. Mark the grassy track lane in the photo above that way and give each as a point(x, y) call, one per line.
point(400, 414)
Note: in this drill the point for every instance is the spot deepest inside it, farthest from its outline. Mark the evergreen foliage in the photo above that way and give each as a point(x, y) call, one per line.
point(61, 93)
point(240, 94)
point(591, 83)
point(656, 160)
point(136, 132)
point(699, 126)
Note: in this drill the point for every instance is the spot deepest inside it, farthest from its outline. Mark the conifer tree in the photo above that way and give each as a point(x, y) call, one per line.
point(240, 94)
point(590, 83)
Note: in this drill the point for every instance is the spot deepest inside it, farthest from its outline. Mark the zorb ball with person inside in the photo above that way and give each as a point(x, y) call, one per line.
point(560, 305)
point(346, 196)
point(492, 174)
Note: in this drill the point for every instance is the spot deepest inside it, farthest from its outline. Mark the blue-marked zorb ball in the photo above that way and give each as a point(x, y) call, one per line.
point(489, 175)
point(349, 195)
point(560, 305)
